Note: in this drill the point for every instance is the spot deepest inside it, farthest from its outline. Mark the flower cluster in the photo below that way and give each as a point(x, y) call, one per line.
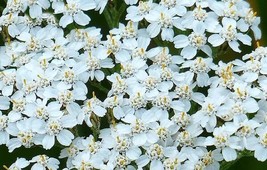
point(150, 90)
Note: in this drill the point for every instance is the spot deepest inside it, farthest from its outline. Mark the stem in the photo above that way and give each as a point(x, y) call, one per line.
point(99, 87)
point(119, 13)
point(113, 16)
point(108, 18)
point(111, 117)
point(96, 125)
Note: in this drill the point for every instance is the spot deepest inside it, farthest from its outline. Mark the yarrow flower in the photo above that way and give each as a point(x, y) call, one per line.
point(148, 88)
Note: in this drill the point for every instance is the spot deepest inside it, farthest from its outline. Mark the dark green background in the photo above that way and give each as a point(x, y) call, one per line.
point(246, 163)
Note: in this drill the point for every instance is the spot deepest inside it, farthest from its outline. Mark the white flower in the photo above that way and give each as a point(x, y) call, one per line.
point(162, 19)
point(226, 77)
point(184, 89)
point(233, 108)
point(163, 58)
point(139, 126)
point(14, 6)
point(223, 139)
point(193, 42)
point(95, 60)
point(130, 68)
point(150, 81)
point(113, 44)
point(41, 162)
point(138, 13)
point(11, 21)
point(7, 81)
point(155, 154)
point(20, 164)
point(207, 115)
point(137, 99)
point(249, 20)
point(201, 67)
point(4, 136)
point(43, 110)
point(64, 95)
point(230, 34)
point(71, 73)
point(246, 128)
point(208, 19)
point(72, 151)
point(129, 31)
point(73, 10)
point(36, 7)
point(57, 128)
point(25, 133)
point(251, 69)
point(189, 136)
point(258, 144)
point(181, 119)
point(85, 160)
point(100, 5)
point(130, 2)
point(119, 85)
point(91, 108)
point(139, 48)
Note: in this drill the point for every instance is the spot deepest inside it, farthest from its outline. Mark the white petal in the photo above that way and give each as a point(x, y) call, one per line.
point(13, 144)
point(139, 139)
point(156, 165)
point(7, 90)
point(123, 129)
point(242, 26)
point(74, 109)
point(257, 32)
point(261, 154)
point(35, 11)
point(251, 105)
point(81, 19)
point(4, 103)
point(235, 46)
point(44, 3)
point(216, 40)
point(118, 113)
point(189, 52)
point(133, 153)
point(65, 20)
point(68, 121)
point(86, 5)
point(4, 137)
point(48, 141)
point(13, 30)
point(178, 105)
point(99, 111)
point(229, 154)
point(202, 79)
point(14, 116)
point(37, 166)
point(65, 137)
point(244, 38)
point(99, 75)
point(153, 29)
point(122, 56)
point(167, 34)
point(206, 49)
point(142, 161)
point(181, 41)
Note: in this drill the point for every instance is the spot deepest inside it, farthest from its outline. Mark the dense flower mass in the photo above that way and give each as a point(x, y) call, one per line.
point(148, 93)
